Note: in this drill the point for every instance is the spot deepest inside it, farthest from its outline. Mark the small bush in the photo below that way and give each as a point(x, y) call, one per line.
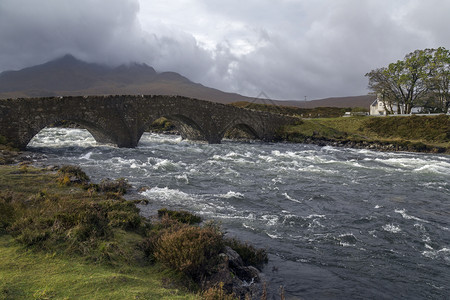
point(249, 254)
point(190, 249)
point(69, 175)
point(124, 219)
point(32, 236)
point(216, 293)
point(118, 186)
point(3, 140)
point(180, 216)
point(161, 124)
point(7, 212)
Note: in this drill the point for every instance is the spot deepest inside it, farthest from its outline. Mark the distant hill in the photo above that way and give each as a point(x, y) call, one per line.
point(351, 101)
point(68, 75)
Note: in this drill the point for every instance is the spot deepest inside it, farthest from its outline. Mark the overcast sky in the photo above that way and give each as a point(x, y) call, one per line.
point(288, 49)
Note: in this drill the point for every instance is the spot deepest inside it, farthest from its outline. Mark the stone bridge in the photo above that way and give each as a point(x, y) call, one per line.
point(121, 120)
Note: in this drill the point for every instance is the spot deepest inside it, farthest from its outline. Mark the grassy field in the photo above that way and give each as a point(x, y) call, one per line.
point(415, 133)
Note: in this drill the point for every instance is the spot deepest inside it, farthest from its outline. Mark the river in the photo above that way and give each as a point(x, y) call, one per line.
point(337, 223)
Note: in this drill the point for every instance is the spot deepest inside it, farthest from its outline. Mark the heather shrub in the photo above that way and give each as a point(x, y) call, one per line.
point(7, 212)
point(216, 293)
point(180, 216)
point(69, 175)
point(118, 186)
point(124, 219)
point(190, 249)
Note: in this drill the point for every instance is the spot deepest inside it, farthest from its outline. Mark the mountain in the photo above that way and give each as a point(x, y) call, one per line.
point(70, 76)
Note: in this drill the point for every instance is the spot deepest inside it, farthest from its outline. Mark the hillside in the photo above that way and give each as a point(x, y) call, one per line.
point(69, 76)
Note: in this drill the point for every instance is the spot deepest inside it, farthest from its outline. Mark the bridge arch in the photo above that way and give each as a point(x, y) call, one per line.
point(99, 134)
point(241, 130)
point(187, 127)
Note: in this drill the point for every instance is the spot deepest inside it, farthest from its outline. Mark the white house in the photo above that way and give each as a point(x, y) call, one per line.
point(378, 108)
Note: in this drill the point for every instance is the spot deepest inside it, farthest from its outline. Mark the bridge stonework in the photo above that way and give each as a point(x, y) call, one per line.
point(121, 120)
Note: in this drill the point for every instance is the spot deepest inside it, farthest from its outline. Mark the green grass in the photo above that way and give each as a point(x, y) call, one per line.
point(27, 274)
point(430, 133)
point(434, 129)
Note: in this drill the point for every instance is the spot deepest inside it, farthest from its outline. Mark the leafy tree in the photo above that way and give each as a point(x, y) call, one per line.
point(402, 84)
point(439, 80)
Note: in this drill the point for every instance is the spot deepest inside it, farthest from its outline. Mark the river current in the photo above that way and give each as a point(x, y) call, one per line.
point(337, 223)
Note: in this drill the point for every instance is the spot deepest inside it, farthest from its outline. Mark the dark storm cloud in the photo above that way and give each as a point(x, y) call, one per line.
point(33, 31)
point(287, 48)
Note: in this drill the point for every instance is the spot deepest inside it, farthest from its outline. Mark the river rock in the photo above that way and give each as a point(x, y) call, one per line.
point(237, 278)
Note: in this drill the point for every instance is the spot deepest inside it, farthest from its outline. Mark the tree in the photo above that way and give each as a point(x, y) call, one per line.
point(439, 80)
point(403, 83)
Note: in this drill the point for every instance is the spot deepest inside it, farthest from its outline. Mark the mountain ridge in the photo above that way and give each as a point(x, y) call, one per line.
point(69, 76)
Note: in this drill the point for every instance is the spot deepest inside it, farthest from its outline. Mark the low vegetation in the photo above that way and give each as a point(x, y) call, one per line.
point(64, 237)
point(249, 254)
point(179, 216)
point(8, 153)
point(162, 125)
point(318, 112)
point(415, 133)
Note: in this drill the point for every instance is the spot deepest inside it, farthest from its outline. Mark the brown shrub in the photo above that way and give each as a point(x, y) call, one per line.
point(216, 293)
point(190, 249)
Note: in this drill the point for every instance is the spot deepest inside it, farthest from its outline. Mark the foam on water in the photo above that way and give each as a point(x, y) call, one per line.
point(443, 253)
point(290, 198)
point(168, 195)
point(231, 194)
point(392, 228)
point(403, 213)
point(87, 155)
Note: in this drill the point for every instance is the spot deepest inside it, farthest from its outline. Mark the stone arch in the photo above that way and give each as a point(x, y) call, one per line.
point(241, 131)
point(99, 134)
point(188, 128)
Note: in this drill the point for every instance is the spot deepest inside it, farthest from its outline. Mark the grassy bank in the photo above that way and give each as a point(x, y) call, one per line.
point(27, 274)
point(415, 133)
point(62, 237)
